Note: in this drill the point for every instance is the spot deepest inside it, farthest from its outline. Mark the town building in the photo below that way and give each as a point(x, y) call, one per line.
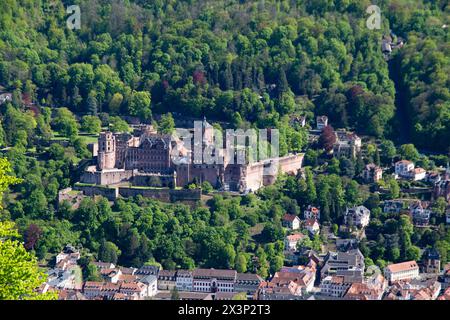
point(214, 280)
point(108, 291)
point(167, 280)
point(432, 261)
point(290, 283)
point(147, 270)
point(349, 265)
point(357, 217)
point(399, 290)
point(291, 221)
point(151, 282)
point(361, 291)
point(66, 275)
point(184, 280)
point(401, 271)
point(334, 286)
point(248, 283)
point(424, 289)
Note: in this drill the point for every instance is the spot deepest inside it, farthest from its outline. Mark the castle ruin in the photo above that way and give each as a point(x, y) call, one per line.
point(146, 158)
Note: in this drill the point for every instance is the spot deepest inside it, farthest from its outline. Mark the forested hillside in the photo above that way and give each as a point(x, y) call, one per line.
point(217, 58)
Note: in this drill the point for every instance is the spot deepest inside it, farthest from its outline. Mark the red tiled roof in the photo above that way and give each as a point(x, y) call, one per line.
point(289, 217)
point(404, 266)
point(295, 237)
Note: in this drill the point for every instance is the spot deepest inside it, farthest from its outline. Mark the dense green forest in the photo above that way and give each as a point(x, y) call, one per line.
point(254, 61)
point(250, 63)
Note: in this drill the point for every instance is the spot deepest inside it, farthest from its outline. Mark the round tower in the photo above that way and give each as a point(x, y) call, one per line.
point(106, 151)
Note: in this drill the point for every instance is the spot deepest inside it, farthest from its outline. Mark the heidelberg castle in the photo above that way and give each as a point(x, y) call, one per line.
point(146, 158)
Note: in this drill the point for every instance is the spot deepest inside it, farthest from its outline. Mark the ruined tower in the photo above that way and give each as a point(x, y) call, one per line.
point(106, 151)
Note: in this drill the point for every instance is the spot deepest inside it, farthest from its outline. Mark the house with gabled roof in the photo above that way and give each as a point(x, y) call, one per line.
point(291, 221)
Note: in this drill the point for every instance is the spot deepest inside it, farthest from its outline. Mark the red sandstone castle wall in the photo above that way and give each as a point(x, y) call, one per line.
point(291, 164)
point(262, 173)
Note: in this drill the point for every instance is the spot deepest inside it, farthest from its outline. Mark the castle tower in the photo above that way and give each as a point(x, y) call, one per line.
point(106, 151)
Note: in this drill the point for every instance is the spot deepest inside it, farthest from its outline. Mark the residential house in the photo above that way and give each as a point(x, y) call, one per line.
point(346, 244)
point(93, 289)
point(418, 174)
point(420, 212)
point(393, 206)
point(291, 221)
point(312, 226)
point(372, 173)
point(401, 271)
point(312, 213)
point(347, 144)
point(357, 216)
point(403, 168)
point(290, 242)
point(300, 120)
point(322, 122)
